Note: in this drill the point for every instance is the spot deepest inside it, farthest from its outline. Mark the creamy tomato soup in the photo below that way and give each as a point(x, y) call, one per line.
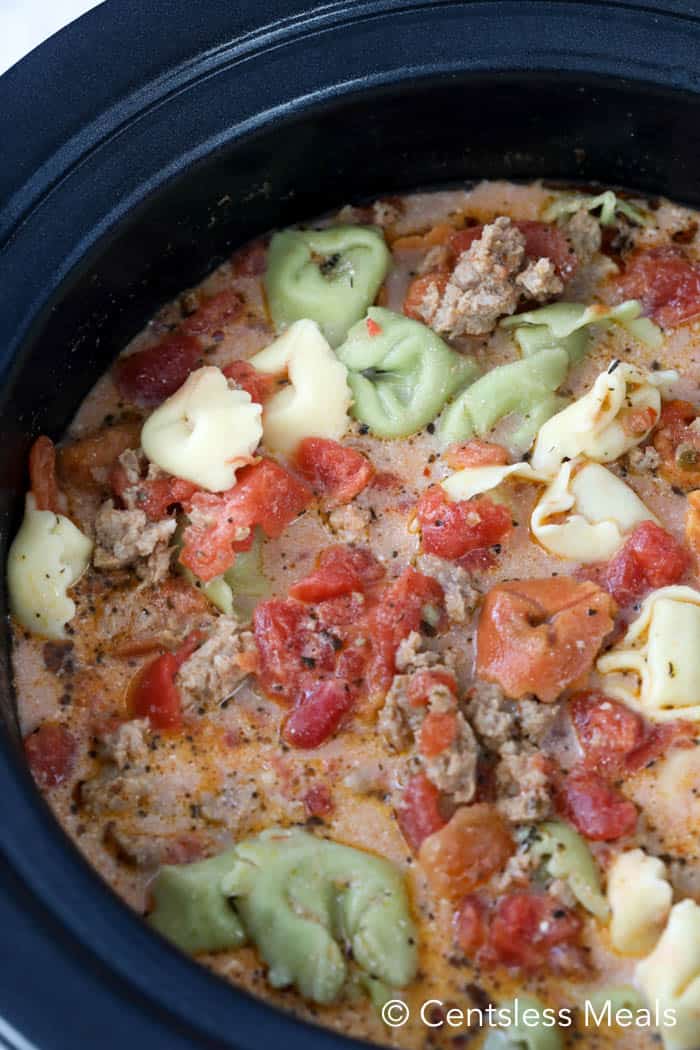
point(356, 621)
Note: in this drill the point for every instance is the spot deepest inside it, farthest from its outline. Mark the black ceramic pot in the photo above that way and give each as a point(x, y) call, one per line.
point(138, 148)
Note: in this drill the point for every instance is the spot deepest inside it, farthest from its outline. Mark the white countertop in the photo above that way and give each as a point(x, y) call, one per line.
point(25, 23)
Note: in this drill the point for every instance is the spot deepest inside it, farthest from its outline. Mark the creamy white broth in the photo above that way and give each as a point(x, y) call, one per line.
point(228, 777)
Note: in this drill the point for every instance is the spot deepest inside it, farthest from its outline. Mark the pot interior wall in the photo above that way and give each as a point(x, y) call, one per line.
point(398, 137)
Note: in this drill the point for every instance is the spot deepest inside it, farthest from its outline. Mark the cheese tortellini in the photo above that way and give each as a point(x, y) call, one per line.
point(586, 513)
point(670, 977)
point(317, 399)
point(594, 425)
point(330, 276)
point(47, 556)
point(659, 657)
point(640, 897)
point(401, 373)
point(204, 432)
point(301, 900)
point(473, 481)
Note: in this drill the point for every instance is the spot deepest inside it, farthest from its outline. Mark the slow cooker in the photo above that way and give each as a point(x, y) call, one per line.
point(139, 147)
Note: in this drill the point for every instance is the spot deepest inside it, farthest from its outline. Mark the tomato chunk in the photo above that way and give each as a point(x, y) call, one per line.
point(259, 385)
point(265, 494)
point(422, 682)
point(678, 443)
point(616, 741)
point(154, 694)
point(418, 812)
point(147, 377)
point(318, 801)
point(437, 732)
point(213, 314)
point(596, 809)
point(401, 609)
point(50, 751)
point(42, 475)
point(471, 925)
point(649, 558)
point(666, 281)
point(475, 453)
point(340, 570)
point(335, 472)
point(540, 636)
point(155, 496)
point(454, 529)
point(525, 930)
point(467, 851)
point(319, 714)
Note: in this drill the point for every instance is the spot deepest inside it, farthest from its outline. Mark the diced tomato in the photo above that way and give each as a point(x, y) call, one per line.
point(265, 494)
point(318, 715)
point(596, 809)
point(649, 558)
point(607, 731)
point(422, 293)
point(372, 327)
point(50, 752)
point(437, 732)
point(637, 422)
point(291, 648)
point(666, 281)
point(467, 851)
point(453, 529)
point(401, 609)
point(42, 474)
point(250, 261)
point(154, 694)
point(336, 473)
point(259, 385)
point(340, 570)
point(418, 812)
point(471, 925)
point(214, 314)
point(524, 930)
point(155, 495)
point(149, 376)
point(475, 453)
point(678, 443)
point(422, 682)
point(87, 462)
point(658, 740)
point(616, 741)
point(540, 636)
point(318, 801)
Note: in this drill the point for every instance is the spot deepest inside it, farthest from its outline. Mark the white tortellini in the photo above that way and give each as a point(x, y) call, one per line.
point(472, 481)
point(640, 898)
point(47, 556)
point(670, 977)
point(660, 655)
point(593, 426)
point(599, 511)
point(316, 402)
point(204, 432)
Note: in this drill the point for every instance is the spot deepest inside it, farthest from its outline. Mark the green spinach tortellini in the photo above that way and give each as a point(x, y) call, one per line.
point(565, 325)
point(524, 1025)
point(568, 857)
point(239, 589)
point(607, 204)
point(303, 901)
point(525, 387)
point(329, 276)
point(400, 372)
